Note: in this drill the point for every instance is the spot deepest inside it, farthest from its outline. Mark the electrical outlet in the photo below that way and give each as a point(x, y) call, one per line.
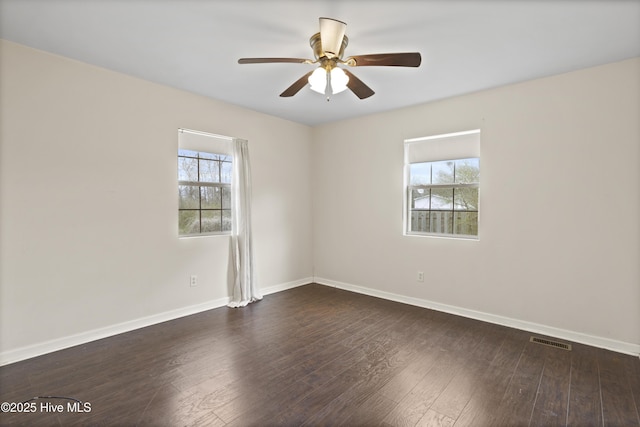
point(420, 276)
point(193, 281)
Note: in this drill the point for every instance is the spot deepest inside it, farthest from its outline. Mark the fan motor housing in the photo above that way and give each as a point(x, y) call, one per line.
point(316, 45)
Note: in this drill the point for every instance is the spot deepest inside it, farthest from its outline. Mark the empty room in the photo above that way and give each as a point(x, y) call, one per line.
point(287, 213)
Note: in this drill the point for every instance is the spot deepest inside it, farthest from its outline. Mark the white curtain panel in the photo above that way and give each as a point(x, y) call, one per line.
point(245, 289)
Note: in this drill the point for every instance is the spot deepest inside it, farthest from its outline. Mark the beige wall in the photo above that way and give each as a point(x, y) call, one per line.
point(88, 206)
point(559, 247)
point(89, 202)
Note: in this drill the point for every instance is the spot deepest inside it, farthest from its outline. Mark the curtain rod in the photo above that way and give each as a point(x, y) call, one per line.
point(197, 132)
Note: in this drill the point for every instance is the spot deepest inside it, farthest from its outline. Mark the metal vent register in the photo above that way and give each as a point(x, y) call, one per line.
point(550, 343)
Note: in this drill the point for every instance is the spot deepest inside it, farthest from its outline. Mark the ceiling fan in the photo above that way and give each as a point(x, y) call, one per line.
point(329, 78)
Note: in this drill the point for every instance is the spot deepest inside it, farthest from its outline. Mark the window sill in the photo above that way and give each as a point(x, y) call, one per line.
point(444, 236)
point(195, 236)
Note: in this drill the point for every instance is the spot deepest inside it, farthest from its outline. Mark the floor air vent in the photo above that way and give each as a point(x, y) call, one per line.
point(551, 343)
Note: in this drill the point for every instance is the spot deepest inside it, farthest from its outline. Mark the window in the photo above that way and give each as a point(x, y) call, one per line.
point(442, 185)
point(204, 185)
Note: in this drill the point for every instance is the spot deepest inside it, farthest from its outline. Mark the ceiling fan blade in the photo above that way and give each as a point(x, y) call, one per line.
point(295, 88)
point(357, 86)
point(270, 60)
point(331, 35)
point(409, 59)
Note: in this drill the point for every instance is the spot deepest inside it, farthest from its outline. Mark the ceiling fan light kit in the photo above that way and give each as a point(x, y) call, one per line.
point(328, 49)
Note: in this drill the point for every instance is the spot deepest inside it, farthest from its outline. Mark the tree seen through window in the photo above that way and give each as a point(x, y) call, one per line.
point(444, 197)
point(204, 192)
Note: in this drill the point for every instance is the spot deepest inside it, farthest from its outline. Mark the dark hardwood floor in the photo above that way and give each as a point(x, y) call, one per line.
point(315, 355)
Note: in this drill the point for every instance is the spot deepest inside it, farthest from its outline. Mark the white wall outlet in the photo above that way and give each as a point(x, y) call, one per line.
point(193, 281)
point(420, 277)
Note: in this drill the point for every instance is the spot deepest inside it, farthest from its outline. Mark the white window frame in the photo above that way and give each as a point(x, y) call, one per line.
point(203, 142)
point(436, 148)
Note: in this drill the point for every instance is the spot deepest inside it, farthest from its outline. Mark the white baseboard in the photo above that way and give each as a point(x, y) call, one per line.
point(285, 286)
point(27, 352)
point(595, 341)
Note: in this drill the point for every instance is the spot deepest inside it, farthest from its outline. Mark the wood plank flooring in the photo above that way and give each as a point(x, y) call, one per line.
point(315, 355)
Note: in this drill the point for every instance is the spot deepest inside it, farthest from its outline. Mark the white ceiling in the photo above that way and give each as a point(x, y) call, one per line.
point(194, 45)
